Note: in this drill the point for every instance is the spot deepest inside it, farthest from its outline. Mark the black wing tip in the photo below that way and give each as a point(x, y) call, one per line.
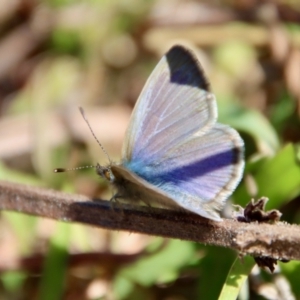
point(188, 56)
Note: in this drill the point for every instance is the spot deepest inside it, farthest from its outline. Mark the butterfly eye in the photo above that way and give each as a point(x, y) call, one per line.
point(105, 172)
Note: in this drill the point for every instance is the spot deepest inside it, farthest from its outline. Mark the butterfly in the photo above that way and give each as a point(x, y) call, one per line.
point(175, 154)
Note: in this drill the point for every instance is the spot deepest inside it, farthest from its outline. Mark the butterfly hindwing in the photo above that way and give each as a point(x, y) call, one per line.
point(199, 174)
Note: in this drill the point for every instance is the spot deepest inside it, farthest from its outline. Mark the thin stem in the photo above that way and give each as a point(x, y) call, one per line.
point(280, 240)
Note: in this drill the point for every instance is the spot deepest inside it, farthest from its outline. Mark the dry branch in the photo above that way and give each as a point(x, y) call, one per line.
point(279, 241)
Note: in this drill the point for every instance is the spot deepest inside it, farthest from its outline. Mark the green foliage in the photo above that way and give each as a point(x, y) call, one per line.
point(13, 281)
point(236, 278)
point(55, 267)
point(160, 267)
point(291, 271)
point(213, 269)
point(252, 123)
point(66, 42)
point(277, 177)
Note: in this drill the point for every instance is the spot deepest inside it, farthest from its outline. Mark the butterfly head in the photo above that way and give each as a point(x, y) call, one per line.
point(105, 172)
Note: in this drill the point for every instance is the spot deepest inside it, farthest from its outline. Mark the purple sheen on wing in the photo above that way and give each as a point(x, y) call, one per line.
point(169, 119)
point(203, 177)
point(174, 102)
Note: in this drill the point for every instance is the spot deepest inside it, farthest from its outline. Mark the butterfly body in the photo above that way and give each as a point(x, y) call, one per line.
point(132, 187)
point(175, 154)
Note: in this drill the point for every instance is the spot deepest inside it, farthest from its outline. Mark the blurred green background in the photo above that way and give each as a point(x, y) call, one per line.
point(57, 55)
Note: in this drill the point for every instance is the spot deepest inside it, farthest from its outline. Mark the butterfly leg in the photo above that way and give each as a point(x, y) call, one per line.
point(115, 203)
point(146, 202)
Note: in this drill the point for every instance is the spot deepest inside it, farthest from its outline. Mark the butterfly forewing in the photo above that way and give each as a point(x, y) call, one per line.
point(172, 105)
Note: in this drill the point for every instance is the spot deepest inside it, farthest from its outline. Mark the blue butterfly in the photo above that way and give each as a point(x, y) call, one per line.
point(174, 153)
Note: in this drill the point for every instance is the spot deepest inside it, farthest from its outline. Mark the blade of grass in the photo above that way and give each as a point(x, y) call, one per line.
point(53, 277)
point(236, 277)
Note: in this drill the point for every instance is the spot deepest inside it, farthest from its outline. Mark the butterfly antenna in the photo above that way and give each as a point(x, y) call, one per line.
point(61, 170)
point(88, 123)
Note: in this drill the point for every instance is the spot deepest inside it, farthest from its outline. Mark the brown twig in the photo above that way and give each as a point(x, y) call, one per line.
point(279, 241)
